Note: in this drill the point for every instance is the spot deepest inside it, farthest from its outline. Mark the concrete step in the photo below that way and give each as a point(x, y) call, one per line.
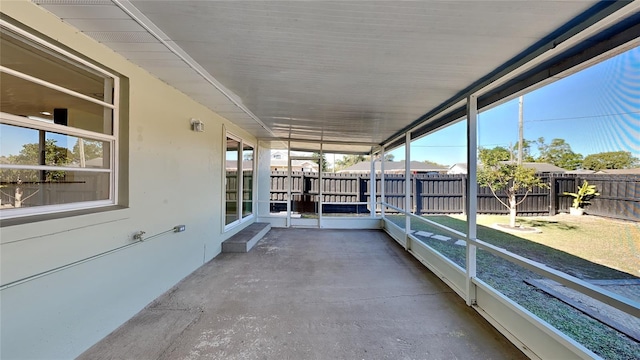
point(244, 240)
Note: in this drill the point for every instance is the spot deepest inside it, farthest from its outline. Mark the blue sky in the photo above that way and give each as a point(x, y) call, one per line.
point(594, 110)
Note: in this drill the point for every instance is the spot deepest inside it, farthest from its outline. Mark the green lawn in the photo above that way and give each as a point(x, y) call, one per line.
point(612, 243)
point(577, 246)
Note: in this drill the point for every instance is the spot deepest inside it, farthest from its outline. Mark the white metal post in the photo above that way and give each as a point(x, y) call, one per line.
point(372, 188)
point(320, 165)
point(383, 198)
point(290, 184)
point(472, 194)
point(407, 187)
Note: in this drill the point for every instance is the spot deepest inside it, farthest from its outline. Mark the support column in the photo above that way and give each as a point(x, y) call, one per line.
point(472, 194)
point(383, 198)
point(407, 188)
point(372, 188)
point(320, 196)
point(290, 183)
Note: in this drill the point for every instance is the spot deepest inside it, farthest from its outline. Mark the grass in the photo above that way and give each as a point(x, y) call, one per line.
point(578, 246)
point(612, 243)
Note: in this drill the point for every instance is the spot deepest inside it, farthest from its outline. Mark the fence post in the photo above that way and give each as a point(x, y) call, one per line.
point(463, 178)
point(412, 183)
point(362, 190)
point(553, 195)
point(417, 186)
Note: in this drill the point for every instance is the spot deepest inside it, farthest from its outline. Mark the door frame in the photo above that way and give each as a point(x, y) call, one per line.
point(292, 219)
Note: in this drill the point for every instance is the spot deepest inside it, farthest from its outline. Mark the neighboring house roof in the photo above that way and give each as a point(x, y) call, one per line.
point(91, 163)
point(542, 167)
point(283, 154)
point(284, 163)
point(635, 171)
point(461, 168)
point(580, 172)
point(458, 168)
point(280, 163)
point(296, 165)
point(394, 167)
point(233, 165)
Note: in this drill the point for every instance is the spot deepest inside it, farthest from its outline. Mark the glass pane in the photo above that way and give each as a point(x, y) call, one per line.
point(37, 61)
point(247, 182)
point(304, 194)
point(345, 185)
point(305, 184)
point(232, 183)
point(601, 328)
point(439, 189)
point(23, 146)
point(558, 131)
point(30, 188)
point(24, 98)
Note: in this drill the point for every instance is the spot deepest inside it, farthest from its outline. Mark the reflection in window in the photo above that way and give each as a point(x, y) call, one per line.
point(35, 60)
point(57, 129)
point(247, 180)
point(239, 180)
point(37, 102)
point(23, 146)
point(232, 183)
point(29, 188)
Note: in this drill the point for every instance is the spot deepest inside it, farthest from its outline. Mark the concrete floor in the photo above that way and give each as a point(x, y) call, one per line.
point(309, 294)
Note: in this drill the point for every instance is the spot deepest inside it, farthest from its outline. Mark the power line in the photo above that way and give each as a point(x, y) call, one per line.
point(584, 117)
point(454, 146)
point(438, 146)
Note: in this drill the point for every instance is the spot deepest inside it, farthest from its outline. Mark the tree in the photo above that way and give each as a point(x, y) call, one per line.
point(30, 155)
point(500, 175)
point(526, 151)
point(558, 153)
point(349, 160)
point(321, 161)
point(92, 150)
point(610, 160)
point(496, 154)
point(389, 157)
point(432, 163)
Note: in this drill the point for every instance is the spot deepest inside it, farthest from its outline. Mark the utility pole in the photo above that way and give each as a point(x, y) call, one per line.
point(520, 129)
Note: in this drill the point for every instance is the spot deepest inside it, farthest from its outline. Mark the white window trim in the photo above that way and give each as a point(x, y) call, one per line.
point(14, 120)
point(250, 217)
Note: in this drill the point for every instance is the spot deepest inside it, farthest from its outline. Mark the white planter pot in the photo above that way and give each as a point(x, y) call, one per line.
point(576, 211)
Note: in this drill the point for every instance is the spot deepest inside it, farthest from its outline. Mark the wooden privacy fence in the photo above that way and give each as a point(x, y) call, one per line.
point(446, 194)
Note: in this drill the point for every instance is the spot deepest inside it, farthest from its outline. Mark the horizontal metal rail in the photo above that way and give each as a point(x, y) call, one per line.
point(610, 298)
point(82, 261)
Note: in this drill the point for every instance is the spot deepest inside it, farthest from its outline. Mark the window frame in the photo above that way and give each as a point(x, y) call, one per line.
point(110, 79)
point(240, 183)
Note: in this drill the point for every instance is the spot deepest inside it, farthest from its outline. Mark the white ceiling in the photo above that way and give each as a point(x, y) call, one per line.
point(347, 72)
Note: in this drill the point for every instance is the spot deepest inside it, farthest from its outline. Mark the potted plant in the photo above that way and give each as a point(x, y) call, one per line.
point(582, 197)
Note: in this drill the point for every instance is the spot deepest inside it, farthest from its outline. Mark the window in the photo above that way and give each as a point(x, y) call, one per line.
point(247, 180)
point(58, 128)
point(239, 180)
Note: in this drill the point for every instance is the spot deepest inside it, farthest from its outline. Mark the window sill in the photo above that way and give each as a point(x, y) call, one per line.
point(57, 215)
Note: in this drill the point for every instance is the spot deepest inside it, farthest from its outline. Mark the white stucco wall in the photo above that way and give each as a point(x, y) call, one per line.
point(175, 177)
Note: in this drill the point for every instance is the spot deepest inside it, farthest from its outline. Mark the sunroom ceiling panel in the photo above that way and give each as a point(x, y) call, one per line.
point(89, 25)
point(88, 10)
point(136, 47)
point(349, 71)
point(353, 57)
point(149, 55)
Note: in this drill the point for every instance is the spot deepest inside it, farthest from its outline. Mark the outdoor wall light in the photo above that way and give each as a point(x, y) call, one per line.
point(197, 125)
